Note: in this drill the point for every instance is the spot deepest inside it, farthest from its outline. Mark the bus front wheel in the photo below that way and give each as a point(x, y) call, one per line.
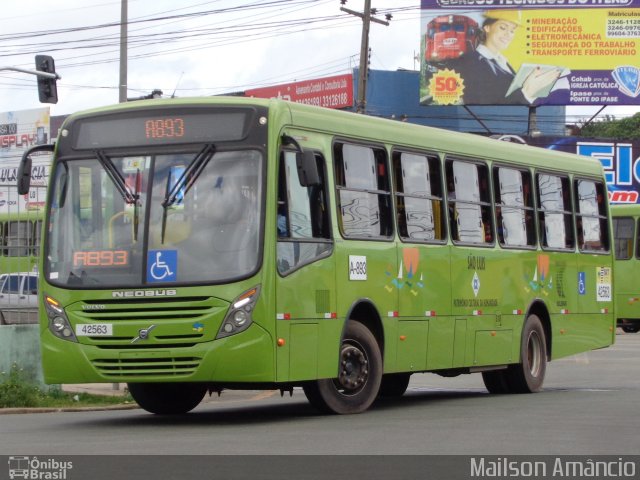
point(167, 398)
point(359, 376)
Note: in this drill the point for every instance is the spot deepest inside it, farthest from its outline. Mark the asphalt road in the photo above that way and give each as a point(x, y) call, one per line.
point(588, 407)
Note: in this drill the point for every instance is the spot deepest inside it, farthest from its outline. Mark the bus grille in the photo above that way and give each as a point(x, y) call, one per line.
point(147, 367)
point(177, 322)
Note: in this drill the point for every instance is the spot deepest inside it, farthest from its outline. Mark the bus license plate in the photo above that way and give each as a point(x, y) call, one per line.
point(94, 330)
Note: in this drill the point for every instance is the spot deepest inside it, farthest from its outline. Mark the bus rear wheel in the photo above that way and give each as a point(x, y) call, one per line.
point(394, 384)
point(496, 381)
point(358, 381)
point(635, 328)
point(167, 398)
point(528, 375)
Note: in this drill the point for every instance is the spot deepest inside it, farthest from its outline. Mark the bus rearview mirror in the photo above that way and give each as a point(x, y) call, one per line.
point(24, 169)
point(307, 168)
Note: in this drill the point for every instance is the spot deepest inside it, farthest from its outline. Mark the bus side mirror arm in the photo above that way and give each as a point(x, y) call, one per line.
point(308, 174)
point(24, 169)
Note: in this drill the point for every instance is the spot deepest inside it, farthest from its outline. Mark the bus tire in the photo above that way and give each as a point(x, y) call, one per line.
point(167, 398)
point(496, 381)
point(394, 384)
point(358, 382)
point(635, 328)
point(528, 375)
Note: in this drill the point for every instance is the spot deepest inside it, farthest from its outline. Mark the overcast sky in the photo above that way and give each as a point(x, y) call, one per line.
point(195, 47)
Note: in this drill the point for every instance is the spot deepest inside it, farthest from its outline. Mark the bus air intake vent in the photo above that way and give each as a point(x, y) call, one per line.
point(323, 303)
point(147, 367)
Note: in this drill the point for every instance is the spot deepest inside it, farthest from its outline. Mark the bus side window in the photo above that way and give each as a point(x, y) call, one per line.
point(419, 197)
point(591, 217)
point(18, 239)
point(638, 238)
point(3, 238)
point(36, 232)
point(469, 202)
point(623, 237)
point(302, 217)
point(555, 212)
point(363, 191)
point(514, 207)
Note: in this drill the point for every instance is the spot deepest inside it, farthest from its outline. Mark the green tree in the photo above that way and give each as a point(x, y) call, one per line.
point(623, 129)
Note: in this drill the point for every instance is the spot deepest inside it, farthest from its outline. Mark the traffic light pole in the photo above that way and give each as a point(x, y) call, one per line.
point(33, 72)
point(47, 78)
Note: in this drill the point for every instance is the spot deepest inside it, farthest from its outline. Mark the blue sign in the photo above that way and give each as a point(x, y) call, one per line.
point(162, 266)
point(582, 283)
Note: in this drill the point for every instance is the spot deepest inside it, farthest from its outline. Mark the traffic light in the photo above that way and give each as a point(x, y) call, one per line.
point(47, 89)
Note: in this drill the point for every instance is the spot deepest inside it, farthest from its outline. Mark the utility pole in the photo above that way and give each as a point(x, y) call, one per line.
point(367, 18)
point(123, 51)
point(533, 122)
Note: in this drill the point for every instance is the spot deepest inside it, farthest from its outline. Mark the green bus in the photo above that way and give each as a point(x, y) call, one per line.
point(626, 241)
point(195, 245)
point(19, 240)
point(20, 232)
point(21, 217)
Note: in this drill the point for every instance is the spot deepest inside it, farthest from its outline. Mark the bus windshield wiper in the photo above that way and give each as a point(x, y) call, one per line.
point(117, 178)
point(120, 184)
point(185, 181)
point(135, 206)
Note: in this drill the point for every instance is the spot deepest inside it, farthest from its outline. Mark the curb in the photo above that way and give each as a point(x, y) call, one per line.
point(20, 410)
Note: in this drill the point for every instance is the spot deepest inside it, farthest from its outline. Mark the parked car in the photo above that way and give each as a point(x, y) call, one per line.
point(18, 298)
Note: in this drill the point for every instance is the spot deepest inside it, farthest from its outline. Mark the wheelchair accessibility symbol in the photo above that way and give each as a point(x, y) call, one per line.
point(162, 266)
point(582, 288)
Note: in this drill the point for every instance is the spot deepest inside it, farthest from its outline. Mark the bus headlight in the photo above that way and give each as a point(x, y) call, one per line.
point(238, 317)
point(58, 322)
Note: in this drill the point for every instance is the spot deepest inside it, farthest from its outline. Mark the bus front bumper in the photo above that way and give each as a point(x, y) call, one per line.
point(247, 357)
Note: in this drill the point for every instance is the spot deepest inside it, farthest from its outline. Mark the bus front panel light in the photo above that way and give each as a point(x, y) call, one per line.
point(239, 317)
point(59, 324)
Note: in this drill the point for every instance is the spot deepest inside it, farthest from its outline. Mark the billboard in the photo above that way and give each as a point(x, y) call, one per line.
point(543, 52)
point(330, 92)
point(22, 129)
point(620, 161)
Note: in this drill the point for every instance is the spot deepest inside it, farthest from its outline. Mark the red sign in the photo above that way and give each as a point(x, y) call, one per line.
point(330, 92)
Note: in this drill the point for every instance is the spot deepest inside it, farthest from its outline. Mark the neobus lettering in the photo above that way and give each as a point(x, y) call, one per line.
point(143, 293)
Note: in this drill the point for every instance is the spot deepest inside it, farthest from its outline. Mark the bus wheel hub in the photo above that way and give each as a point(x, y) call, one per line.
point(353, 368)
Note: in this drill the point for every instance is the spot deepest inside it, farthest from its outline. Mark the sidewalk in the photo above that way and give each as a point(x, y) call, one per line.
point(107, 389)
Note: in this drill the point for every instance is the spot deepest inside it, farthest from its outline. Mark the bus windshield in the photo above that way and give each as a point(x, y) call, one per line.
point(112, 225)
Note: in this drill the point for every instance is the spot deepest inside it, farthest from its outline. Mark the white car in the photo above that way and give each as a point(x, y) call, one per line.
point(18, 298)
